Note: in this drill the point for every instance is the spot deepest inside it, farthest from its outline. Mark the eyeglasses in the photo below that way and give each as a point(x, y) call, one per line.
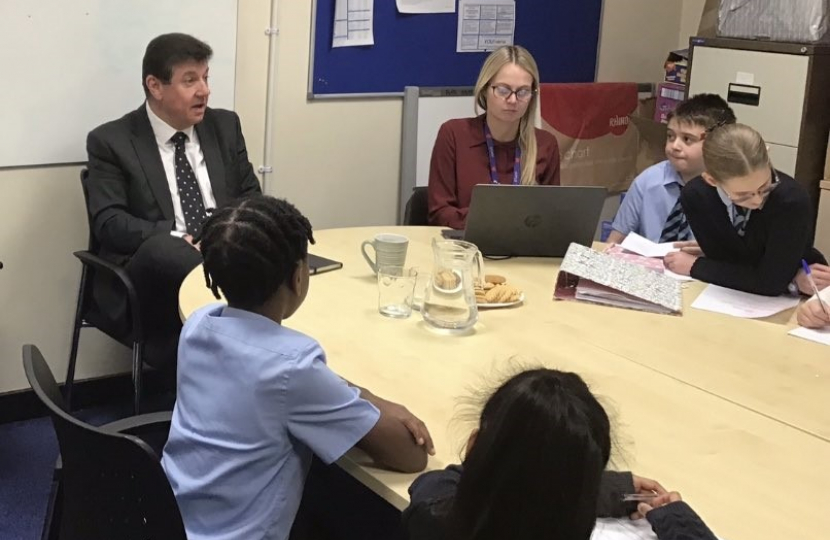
point(763, 192)
point(504, 92)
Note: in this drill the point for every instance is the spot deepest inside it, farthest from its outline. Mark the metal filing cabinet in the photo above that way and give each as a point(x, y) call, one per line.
point(780, 89)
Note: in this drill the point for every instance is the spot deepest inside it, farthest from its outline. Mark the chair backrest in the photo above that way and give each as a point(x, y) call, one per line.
point(93, 242)
point(113, 484)
point(417, 208)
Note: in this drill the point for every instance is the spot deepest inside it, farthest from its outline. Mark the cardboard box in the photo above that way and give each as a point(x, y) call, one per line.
point(669, 96)
point(677, 66)
point(822, 241)
point(595, 125)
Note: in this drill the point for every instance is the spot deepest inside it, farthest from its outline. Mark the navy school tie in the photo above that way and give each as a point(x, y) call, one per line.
point(676, 228)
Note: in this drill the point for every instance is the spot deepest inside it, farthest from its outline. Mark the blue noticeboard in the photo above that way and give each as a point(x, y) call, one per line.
point(419, 50)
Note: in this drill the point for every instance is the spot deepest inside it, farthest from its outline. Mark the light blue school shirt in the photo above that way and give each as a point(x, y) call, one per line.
point(649, 201)
point(254, 401)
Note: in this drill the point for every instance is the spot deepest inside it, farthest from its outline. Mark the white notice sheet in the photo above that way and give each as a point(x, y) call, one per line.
point(426, 6)
point(485, 25)
point(353, 23)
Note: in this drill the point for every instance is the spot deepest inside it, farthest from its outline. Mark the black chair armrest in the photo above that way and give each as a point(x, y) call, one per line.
point(135, 425)
point(152, 428)
point(90, 259)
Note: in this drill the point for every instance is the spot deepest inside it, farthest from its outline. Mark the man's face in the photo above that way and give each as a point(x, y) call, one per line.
point(181, 102)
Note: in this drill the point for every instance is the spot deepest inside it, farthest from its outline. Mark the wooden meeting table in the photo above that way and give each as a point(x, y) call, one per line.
point(732, 413)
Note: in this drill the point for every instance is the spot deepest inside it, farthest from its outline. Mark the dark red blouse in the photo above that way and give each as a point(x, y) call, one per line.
point(460, 161)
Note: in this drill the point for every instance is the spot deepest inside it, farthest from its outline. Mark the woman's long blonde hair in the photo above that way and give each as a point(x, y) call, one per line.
point(513, 54)
point(732, 151)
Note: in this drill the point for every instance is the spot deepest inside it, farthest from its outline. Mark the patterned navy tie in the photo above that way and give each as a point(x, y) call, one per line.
point(740, 219)
point(676, 228)
point(190, 195)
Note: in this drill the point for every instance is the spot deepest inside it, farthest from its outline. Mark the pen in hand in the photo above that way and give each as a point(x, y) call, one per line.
point(639, 497)
point(809, 274)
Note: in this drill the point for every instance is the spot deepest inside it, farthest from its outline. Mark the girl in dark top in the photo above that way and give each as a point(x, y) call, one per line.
point(535, 469)
point(752, 224)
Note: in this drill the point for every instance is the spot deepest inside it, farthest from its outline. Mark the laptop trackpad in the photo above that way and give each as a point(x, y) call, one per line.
point(452, 234)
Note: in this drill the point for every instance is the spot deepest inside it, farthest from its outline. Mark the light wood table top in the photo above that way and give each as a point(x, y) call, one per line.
point(732, 413)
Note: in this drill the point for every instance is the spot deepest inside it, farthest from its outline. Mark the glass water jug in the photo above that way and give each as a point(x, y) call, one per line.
point(449, 299)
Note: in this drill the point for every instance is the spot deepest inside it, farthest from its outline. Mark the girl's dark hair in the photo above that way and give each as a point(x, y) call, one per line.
point(251, 247)
point(535, 467)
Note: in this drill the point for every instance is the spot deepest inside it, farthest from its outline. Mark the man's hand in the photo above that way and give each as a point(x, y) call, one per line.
point(680, 262)
point(189, 239)
point(821, 275)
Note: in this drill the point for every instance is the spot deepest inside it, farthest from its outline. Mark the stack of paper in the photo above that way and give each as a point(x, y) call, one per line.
point(600, 294)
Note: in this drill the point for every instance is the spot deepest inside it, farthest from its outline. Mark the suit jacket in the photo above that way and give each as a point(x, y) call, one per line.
point(128, 193)
point(128, 196)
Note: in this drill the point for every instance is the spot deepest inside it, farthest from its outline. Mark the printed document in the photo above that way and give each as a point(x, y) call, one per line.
point(353, 23)
point(485, 25)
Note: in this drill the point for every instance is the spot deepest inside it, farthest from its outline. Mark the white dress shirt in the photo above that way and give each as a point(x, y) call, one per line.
point(193, 151)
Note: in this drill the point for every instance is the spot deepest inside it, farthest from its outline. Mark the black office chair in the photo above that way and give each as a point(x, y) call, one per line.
point(110, 481)
point(88, 315)
point(417, 208)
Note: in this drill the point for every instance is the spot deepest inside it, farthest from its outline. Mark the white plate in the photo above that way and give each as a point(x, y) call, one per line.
point(503, 304)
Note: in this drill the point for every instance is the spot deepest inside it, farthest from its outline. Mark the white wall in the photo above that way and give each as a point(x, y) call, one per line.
point(635, 37)
point(336, 160)
point(689, 21)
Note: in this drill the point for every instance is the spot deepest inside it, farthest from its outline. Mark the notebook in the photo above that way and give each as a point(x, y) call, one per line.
point(318, 265)
point(600, 278)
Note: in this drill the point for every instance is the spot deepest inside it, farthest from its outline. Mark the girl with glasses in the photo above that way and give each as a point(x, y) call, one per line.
point(501, 145)
point(752, 224)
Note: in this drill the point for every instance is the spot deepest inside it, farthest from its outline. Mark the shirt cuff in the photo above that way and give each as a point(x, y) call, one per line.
point(178, 234)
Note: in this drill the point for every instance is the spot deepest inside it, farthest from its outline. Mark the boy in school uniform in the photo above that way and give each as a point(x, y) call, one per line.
point(256, 400)
point(651, 208)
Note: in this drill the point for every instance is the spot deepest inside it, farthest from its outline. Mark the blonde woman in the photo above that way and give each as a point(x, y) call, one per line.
point(501, 145)
point(753, 224)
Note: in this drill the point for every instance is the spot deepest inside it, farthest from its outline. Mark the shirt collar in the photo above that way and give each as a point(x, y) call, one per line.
point(672, 176)
point(162, 130)
point(477, 131)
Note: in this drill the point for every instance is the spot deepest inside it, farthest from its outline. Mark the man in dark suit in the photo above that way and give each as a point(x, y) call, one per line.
point(154, 176)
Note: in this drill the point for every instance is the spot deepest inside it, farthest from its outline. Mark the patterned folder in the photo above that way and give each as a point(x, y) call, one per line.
point(586, 274)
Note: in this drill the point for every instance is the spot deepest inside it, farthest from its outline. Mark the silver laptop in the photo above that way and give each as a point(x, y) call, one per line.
point(532, 221)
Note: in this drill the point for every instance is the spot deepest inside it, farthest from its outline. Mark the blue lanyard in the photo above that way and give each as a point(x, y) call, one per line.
point(491, 152)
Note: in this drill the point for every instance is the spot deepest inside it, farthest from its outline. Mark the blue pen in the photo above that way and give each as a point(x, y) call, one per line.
point(807, 271)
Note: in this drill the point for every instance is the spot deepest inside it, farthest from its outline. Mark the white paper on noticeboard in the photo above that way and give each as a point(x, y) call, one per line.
point(353, 23)
point(426, 6)
point(485, 25)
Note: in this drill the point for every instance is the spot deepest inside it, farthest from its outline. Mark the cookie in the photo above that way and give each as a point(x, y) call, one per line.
point(495, 279)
